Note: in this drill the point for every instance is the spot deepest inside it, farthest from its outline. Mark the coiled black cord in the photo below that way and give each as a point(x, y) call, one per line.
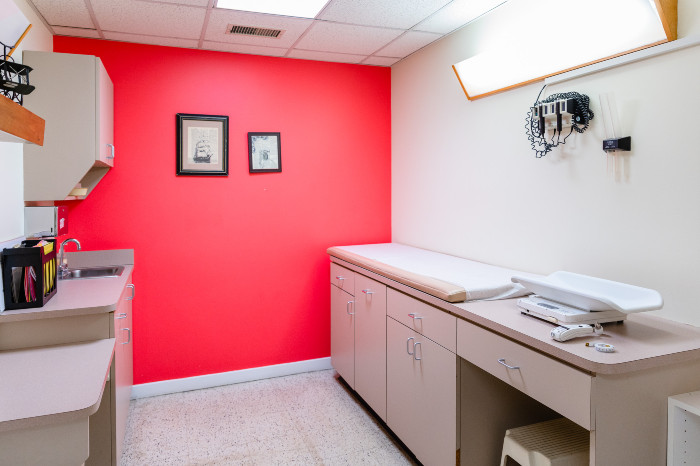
point(539, 143)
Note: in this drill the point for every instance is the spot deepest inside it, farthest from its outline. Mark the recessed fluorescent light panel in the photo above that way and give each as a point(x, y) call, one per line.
point(298, 8)
point(539, 38)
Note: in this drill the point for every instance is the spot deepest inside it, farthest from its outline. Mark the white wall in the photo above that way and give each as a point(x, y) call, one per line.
point(11, 185)
point(465, 181)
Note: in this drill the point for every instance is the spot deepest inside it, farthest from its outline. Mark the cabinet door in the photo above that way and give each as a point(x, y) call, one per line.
point(343, 334)
point(123, 370)
point(370, 343)
point(75, 96)
point(422, 394)
point(105, 120)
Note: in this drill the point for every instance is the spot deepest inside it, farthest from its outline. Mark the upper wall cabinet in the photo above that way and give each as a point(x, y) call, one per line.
point(75, 96)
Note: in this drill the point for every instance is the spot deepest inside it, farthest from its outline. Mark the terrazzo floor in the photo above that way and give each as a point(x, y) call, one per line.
point(304, 419)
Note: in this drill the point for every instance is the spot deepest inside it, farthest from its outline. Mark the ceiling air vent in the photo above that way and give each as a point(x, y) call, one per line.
point(253, 31)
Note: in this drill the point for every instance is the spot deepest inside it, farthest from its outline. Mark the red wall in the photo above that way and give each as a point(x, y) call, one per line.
point(231, 272)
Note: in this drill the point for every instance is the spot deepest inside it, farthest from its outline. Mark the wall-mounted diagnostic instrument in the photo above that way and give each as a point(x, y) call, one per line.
point(549, 118)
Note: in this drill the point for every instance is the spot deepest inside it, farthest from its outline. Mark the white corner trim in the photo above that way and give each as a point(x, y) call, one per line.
point(632, 57)
point(165, 387)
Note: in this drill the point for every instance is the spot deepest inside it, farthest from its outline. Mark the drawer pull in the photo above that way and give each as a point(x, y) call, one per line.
point(121, 316)
point(503, 361)
point(367, 291)
point(339, 277)
point(415, 351)
point(413, 316)
point(133, 291)
point(347, 308)
point(407, 346)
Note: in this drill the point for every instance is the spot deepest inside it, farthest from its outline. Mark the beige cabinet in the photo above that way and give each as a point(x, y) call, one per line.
point(380, 345)
point(358, 334)
point(123, 367)
point(74, 94)
point(343, 334)
point(370, 343)
point(107, 425)
point(422, 395)
point(533, 374)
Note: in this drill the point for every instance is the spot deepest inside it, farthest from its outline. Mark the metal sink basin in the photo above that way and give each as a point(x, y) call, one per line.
point(94, 272)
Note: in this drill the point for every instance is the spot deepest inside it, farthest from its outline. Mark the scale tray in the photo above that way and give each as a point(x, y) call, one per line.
point(591, 293)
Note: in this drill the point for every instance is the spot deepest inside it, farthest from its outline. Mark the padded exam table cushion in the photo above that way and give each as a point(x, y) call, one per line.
point(446, 277)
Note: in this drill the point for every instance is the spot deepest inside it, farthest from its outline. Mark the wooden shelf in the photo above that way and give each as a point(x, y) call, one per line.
point(17, 124)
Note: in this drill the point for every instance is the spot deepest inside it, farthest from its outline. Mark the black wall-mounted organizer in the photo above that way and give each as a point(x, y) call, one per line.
point(17, 280)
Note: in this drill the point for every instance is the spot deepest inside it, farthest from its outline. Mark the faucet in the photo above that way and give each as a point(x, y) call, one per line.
point(62, 265)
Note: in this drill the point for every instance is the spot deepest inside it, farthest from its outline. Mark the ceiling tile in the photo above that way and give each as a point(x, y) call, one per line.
point(76, 32)
point(153, 19)
point(456, 15)
point(72, 13)
point(408, 43)
point(219, 19)
point(344, 38)
point(152, 40)
point(202, 3)
point(386, 13)
point(242, 48)
point(325, 56)
point(380, 61)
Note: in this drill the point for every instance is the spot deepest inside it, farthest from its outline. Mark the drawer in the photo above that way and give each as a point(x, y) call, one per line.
point(425, 319)
point(561, 387)
point(343, 278)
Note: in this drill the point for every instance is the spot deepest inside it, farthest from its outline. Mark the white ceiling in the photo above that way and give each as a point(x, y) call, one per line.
point(371, 32)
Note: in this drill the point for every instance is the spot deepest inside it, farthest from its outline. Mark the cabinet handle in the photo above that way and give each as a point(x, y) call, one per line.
point(121, 316)
point(407, 346)
point(367, 291)
point(129, 340)
point(503, 361)
point(338, 277)
point(347, 308)
point(415, 351)
point(133, 291)
point(413, 316)
point(111, 151)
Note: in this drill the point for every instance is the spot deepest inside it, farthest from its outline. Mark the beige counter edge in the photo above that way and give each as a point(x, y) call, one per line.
point(103, 349)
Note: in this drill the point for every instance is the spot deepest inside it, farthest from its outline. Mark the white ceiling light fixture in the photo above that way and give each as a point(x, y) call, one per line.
point(542, 38)
point(296, 8)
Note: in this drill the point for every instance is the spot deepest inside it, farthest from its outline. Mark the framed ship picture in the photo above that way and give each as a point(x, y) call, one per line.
point(202, 145)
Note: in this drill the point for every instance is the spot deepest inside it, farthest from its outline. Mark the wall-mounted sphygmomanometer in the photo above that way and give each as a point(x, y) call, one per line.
point(559, 113)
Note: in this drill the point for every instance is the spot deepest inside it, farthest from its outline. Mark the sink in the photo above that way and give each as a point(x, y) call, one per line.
point(94, 272)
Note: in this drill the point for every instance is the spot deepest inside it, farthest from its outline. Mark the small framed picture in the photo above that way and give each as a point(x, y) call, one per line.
point(264, 152)
point(202, 144)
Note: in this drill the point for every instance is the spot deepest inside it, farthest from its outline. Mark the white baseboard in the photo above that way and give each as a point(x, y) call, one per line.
point(165, 387)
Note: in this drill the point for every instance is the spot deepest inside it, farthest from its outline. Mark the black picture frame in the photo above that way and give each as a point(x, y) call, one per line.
point(264, 152)
point(202, 144)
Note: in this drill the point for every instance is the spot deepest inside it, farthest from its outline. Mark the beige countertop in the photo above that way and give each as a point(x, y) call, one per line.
point(643, 342)
point(45, 385)
point(83, 296)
